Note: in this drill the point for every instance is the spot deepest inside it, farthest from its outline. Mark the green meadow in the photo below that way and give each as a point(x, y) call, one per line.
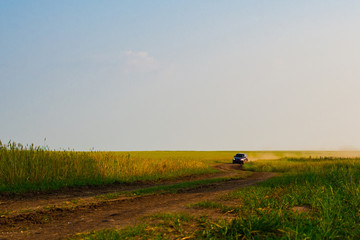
point(317, 198)
point(310, 198)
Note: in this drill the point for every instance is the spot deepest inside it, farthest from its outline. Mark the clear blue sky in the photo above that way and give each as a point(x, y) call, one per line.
point(191, 75)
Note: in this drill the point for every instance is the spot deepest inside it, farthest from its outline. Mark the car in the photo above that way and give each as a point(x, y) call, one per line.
point(240, 158)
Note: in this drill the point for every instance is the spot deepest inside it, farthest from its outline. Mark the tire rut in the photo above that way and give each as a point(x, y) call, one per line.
point(58, 223)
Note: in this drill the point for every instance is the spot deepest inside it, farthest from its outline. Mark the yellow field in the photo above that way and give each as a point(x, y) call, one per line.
point(34, 168)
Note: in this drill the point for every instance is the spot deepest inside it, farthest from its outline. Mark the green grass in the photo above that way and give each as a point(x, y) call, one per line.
point(212, 205)
point(162, 226)
point(172, 188)
point(110, 234)
point(327, 188)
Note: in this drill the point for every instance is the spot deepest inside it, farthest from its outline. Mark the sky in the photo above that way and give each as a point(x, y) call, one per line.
point(180, 75)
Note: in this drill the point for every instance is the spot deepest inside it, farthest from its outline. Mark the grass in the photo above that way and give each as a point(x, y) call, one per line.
point(327, 188)
point(31, 168)
point(212, 205)
point(172, 188)
point(327, 184)
point(163, 226)
point(163, 189)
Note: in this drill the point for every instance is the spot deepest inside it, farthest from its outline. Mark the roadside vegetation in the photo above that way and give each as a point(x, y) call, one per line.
point(311, 198)
point(172, 188)
point(98, 200)
point(30, 168)
point(33, 168)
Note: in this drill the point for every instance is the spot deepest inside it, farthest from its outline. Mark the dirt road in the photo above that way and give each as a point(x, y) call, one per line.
point(32, 218)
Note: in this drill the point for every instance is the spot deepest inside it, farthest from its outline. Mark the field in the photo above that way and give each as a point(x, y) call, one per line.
point(178, 195)
point(30, 168)
point(313, 199)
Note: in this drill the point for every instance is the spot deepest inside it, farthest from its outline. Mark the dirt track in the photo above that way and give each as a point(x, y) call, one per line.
point(58, 223)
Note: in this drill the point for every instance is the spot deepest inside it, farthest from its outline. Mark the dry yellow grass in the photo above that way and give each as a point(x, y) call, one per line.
point(34, 168)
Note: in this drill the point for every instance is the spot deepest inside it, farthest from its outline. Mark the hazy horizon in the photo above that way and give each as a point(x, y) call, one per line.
point(180, 75)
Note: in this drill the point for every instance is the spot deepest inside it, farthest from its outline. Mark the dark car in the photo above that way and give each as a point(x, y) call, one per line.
point(240, 158)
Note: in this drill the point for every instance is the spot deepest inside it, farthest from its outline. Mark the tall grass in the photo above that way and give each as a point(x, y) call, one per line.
point(25, 168)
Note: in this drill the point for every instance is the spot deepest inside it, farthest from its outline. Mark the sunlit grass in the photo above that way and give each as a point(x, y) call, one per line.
point(327, 188)
point(28, 168)
point(302, 164)
point(34, 168)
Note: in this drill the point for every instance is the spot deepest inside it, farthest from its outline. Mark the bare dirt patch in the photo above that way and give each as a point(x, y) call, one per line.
point(58, 223)
point(302, 209)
